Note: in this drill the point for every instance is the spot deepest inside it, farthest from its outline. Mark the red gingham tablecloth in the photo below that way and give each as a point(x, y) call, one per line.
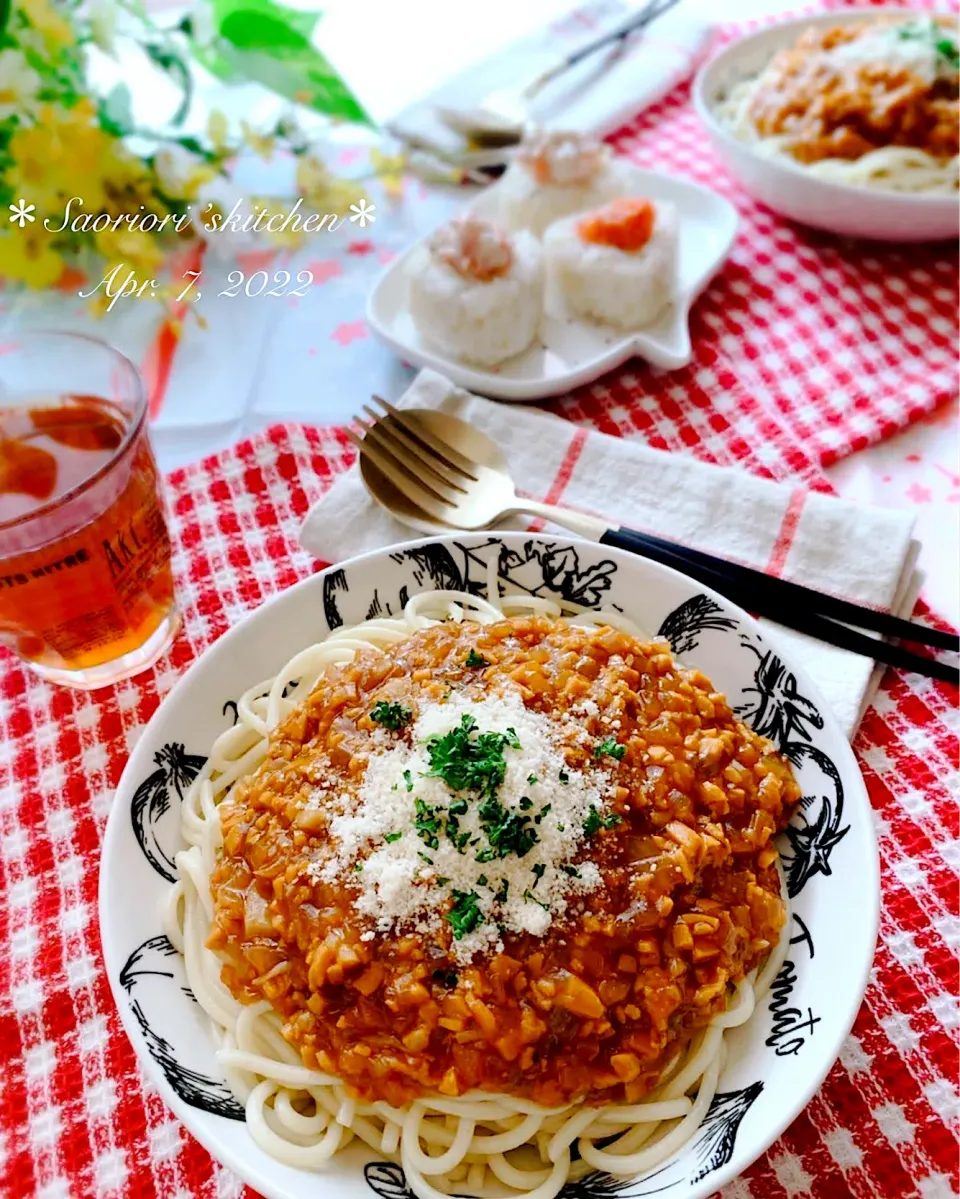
point(78, 1118)
point(847, 342)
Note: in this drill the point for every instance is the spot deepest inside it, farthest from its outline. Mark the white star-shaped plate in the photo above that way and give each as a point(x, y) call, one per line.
point(571, 351)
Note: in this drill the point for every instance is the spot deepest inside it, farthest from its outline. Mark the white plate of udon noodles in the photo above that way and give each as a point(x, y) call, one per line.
point(291, 1131)
point(893, 193)
point(568, 349)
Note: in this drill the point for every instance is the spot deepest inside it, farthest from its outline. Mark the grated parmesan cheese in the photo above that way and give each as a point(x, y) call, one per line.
point(403, 882)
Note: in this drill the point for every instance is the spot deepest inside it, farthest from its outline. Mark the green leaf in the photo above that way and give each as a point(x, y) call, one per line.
point(169, 61)
point(5, 10)
point(265, 42)
point(116, 113)
point(390, 715)
point(195, 147)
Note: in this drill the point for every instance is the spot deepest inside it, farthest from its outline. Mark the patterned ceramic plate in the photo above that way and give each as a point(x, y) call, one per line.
point(777, 1060)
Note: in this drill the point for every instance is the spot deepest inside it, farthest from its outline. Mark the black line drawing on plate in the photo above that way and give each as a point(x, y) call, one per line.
point(426, 568)
point(816, 828)
point(231, 706)
point(683, 626)
point(716, 1137)
point(154, 799)
point(777, 709)
point(791, 1027)
point(335, 581)
point(149, 976)
point(549, 569)
point(389, 1181)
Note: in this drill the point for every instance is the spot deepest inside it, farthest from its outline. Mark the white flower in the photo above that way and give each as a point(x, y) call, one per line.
point(179, 172)
point(19, 84)
point(103, 24)
point(203, 23)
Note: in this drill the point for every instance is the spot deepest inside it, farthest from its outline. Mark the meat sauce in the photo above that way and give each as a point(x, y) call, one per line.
point(690, 900)
point(828, 107)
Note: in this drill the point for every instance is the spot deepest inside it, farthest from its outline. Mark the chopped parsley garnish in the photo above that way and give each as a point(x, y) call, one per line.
point(391, 715)
point(467, 763)
point(507, 832)
point(948, 50)
point(465, 915)
point(526, 803)
point(475, 660)
point(442, 882)
point(501, 895)
point(391, 837)
point(539, 871)
point(447, 977)
point(427, 824)
point(609, 748)
point(531, 779)
point(944, 45)
point(482, 881)
point(458, 807)
point(543, 811)
point(358, 867)
point(571, 870)
point(595, 822)
point(408, 779)
point(423, 857)
point(528, 894)
point(564, 777)
point(485, 855)
point(512, 739)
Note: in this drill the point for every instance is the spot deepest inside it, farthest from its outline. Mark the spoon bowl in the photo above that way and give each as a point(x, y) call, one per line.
point(481, 501)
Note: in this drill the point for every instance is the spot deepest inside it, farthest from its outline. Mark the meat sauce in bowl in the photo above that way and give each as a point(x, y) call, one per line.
point(830, 100)
point(685, 900)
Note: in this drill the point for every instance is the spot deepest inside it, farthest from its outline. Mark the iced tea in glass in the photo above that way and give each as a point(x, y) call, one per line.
point(86, 586)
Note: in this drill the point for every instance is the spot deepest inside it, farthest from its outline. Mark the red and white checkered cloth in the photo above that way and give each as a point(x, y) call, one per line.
point(806, 349)
point(847, 342)
point(77, 1117)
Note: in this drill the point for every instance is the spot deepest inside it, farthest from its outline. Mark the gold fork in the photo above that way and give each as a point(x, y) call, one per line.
point(437, 473)
point(443, 473)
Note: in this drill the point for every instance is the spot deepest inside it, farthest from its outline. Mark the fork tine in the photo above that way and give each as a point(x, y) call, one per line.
point(440, 510)
point(381, 435)
point(425, 457)
point(429, 439)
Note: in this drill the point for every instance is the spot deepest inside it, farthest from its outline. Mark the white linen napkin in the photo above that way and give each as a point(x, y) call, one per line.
point(598, 95)
point(864, 554)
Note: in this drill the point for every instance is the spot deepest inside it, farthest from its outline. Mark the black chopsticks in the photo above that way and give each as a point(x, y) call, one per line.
point(825, 617)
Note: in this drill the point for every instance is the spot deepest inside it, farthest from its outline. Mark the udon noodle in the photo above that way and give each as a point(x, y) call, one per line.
point(303, 1116)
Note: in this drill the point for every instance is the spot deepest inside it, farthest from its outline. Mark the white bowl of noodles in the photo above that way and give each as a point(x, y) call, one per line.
point(890, 194)
point(291, 1132)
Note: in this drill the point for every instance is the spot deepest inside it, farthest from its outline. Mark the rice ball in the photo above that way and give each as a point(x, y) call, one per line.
point(556, 175)
point(616, 265)
point(476, 291)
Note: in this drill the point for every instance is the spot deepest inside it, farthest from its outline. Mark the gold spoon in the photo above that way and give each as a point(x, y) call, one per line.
point(451, 475)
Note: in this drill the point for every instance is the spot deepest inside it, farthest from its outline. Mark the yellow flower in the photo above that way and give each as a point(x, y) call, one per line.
point(389, 169)
point(19, 84)
point(218, 127)
point(259, 142)
point(64, 154)
point(180, 173)
point(27, 257)
point(137, 250)
point(322, 189)
point(46, 20)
